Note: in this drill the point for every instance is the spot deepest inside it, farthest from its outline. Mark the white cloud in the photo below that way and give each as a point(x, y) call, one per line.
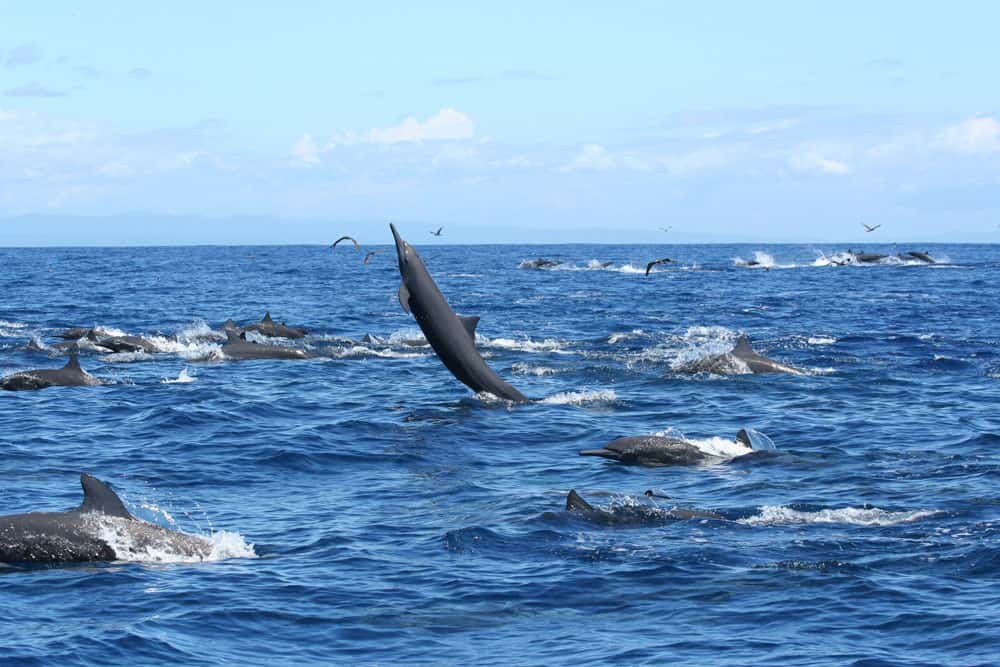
point(810, 161)
point(975, 135)
point(306, 150)
point(592, 157)
point(445, 124)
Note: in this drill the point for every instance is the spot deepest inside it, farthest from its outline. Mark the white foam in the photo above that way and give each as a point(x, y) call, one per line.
point(619, 337)
point(523, 345)
point(126, 357)
point(722, 447)
point(182, 378)
point(197, 332)
point(604, 396)
point(12, 325)
point(358, 351)
point(522, 368)
point(201, 352)
point(135, 540)
point(763, 261)
point(771, 515)
point(821, 340)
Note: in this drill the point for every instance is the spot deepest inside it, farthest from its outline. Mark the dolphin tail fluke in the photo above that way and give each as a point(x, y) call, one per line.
point(574, 503)
point(744, 438)
point(98, 497)
point(605, 453)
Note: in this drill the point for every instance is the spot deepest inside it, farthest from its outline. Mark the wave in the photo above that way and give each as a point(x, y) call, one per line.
point(599, 396)
point(521, 368)
point(126, 357)
point(138, 541)
point(777, 515)
point(7, 324)
point(616, 338)
point(821, 340)
point(524, 345)
point(361, 351)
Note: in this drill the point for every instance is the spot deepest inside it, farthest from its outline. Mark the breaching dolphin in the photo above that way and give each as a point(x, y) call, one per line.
point(452, 338)
point(657, 450)
point(238, 347)
point(99, 529)
point(70, 375)
point(632, 514)
point(121, 343)
point(739, 360)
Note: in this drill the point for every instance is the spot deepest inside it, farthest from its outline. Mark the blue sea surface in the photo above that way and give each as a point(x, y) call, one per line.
point(367, 508)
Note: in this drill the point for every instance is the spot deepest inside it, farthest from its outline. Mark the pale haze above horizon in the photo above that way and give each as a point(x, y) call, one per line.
point(523, 122)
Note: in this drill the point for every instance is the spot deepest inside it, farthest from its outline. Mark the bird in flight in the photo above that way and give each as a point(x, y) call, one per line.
point(869, 228)
point(665, 229)
point(346, 238)
point(655, 262)
point(371, 253)
point(438, 232)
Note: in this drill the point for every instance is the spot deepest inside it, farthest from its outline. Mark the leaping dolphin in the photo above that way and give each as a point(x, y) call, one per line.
point(83, 534)
point(70, 375)
point(453, 338)
point(656, 450)
point(741, 357)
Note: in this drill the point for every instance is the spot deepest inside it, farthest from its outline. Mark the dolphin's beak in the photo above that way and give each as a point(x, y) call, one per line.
point(400, 245)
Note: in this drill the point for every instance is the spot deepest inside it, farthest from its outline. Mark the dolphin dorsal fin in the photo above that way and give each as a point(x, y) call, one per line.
point(267, 317)
point(574, 503)
point(470, 322)
point(404, 297)
point(744, 437)
point(98, 497)
point(229, 324)
point(743, 347)
point(73, 364)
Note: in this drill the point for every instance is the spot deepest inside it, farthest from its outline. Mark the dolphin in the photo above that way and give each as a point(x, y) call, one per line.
point(656, 450)
point(270, 328)
point(238, 347)
point(742, 356)
point(632, 515)
point(121, 343)
point(99, 529)
point(70, 375)
point(868, 257)
point(78, 332)
point(922, 256)
point(539, 263)
point(453, 338)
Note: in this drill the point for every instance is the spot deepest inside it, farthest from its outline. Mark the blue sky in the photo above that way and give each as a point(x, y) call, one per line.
point(724, 121)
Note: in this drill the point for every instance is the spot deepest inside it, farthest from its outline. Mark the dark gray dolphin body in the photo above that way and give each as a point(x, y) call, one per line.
point(83, 534)
point(121, 343)
point(922, 256)
point(868, 257)
point(70, 375)
point(539, 263)
point(656, 450)
point(632, 515)
point(238, 347)
point(451, 337)
point(272, 329)
point(742, 356)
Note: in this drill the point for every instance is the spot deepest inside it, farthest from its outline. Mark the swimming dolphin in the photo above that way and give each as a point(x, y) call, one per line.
point(270, 328)
point(70, 375)
point(868, 257)
point(632, 515)
point(539, 263)
point(346, 238)
point(453, 338)
point(79, 332)
point(740, 358)
point(83, 534)
point(662, 260)
point(121, 343)
point(238, 347)
point(656, 450)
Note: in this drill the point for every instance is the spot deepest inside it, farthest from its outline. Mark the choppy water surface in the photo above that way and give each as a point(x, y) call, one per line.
point(366, 508)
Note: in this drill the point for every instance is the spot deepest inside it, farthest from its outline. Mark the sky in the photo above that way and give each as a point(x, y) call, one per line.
point(718, 121)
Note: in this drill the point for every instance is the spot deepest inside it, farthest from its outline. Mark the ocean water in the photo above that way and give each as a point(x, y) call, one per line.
point(366, 508)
